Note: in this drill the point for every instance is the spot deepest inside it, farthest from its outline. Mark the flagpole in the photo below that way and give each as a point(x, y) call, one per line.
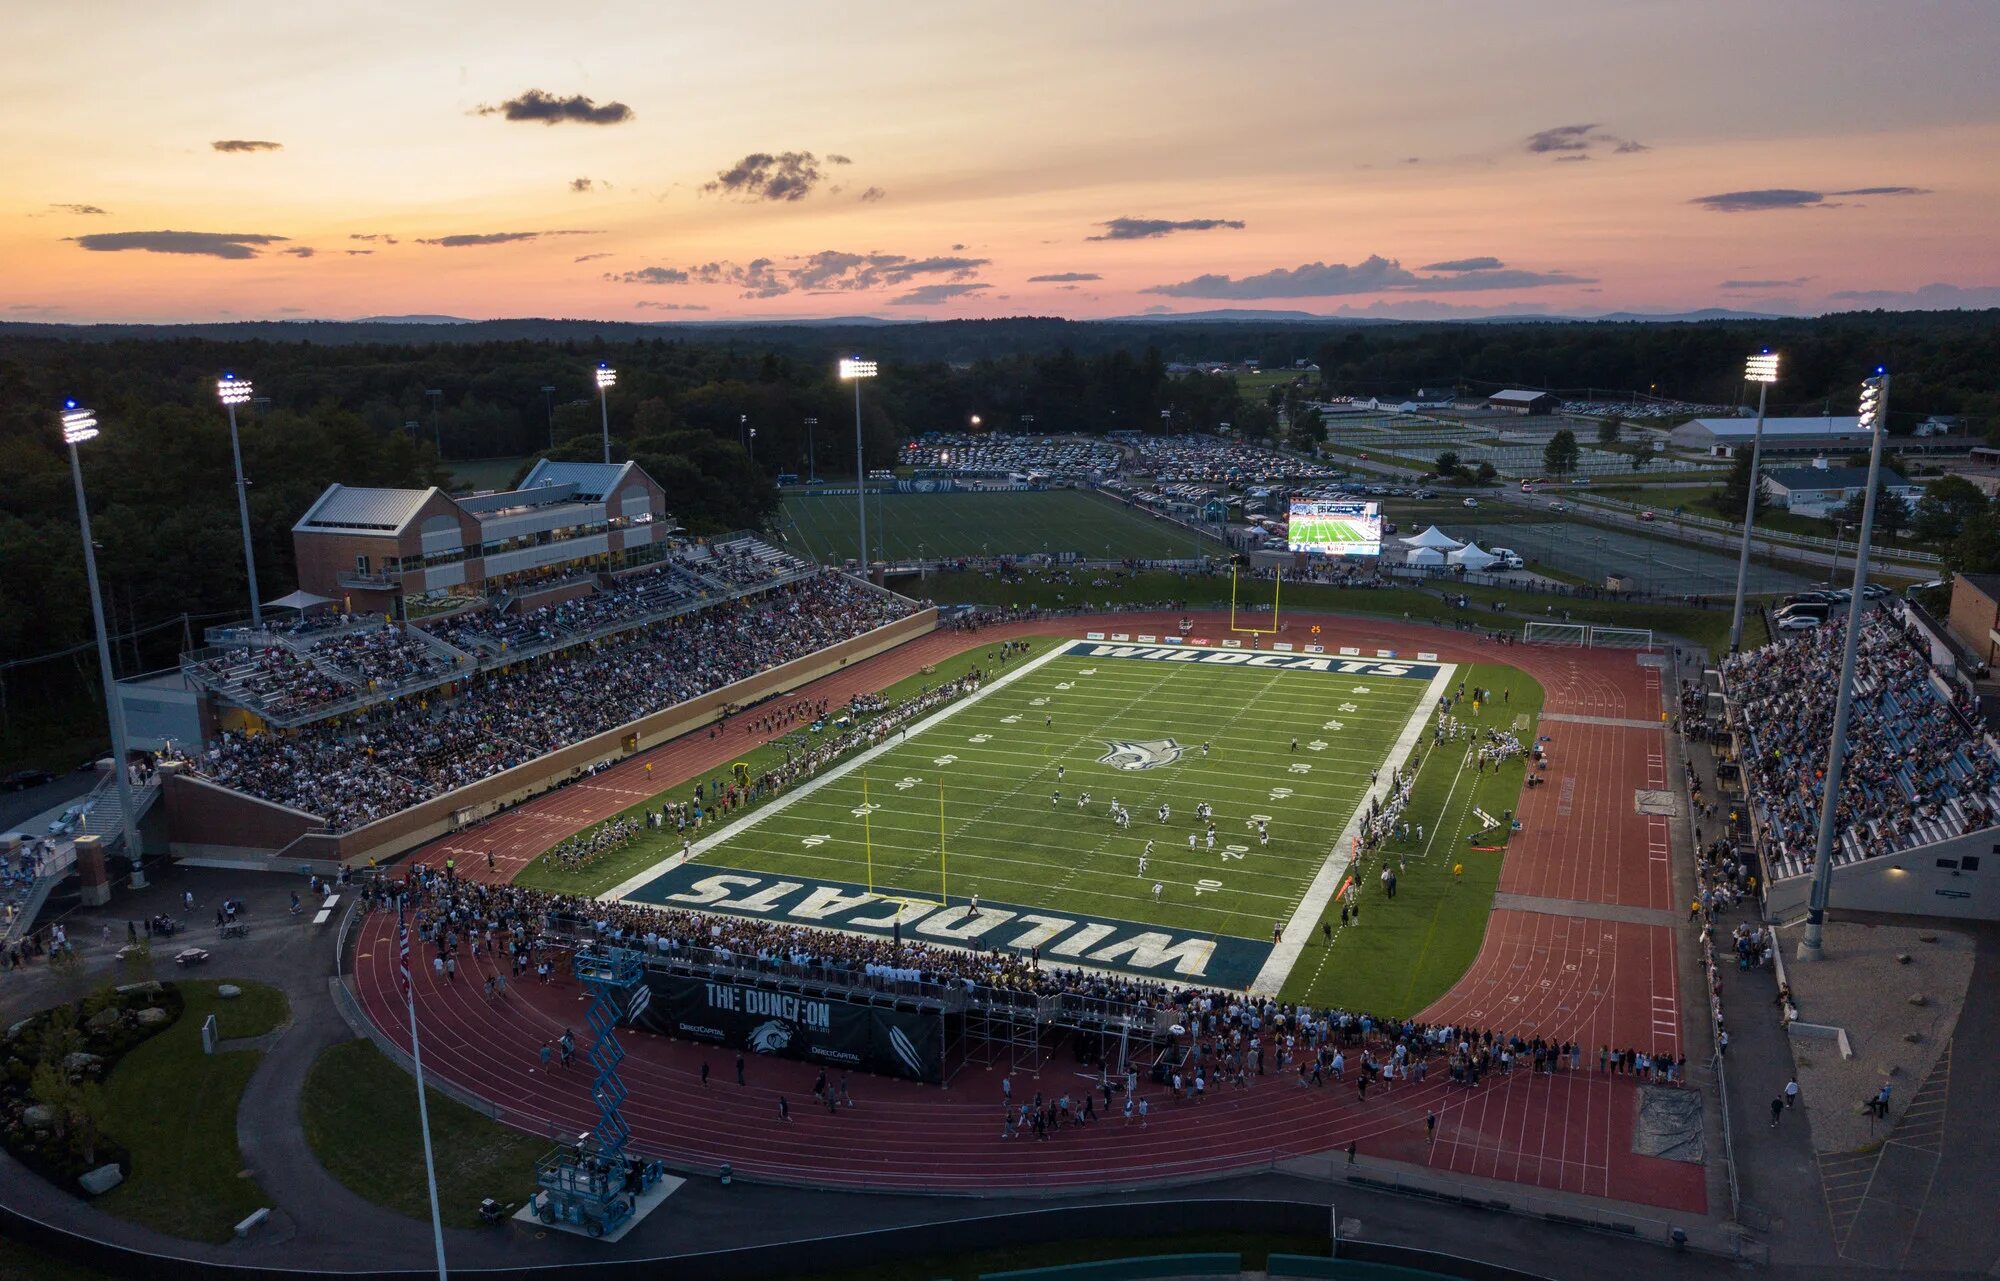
point(423, 1106)
point(867, 841)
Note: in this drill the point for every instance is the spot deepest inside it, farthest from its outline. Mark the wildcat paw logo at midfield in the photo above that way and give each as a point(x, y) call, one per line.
point(1133, 754)
point(770, 1037)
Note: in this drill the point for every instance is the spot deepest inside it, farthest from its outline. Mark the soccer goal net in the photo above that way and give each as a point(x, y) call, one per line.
point(1556, 633)
point(1622, 637)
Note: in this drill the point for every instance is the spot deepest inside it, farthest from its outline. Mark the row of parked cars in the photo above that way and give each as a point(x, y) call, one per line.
point(1803, 611)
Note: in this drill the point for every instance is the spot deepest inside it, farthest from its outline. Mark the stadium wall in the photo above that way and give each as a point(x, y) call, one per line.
point(208, 823)
point(1932, 880)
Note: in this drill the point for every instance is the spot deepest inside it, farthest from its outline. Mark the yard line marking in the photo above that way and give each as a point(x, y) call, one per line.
point(780, 804)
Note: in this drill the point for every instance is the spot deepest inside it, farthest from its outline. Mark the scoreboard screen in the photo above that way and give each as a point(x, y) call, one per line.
point(1335, 529)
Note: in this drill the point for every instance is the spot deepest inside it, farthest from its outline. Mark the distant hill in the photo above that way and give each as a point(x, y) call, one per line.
point(412, 320)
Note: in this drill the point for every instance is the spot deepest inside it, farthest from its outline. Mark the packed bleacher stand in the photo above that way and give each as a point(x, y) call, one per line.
point(273, 677)
point(1918, 771)
point(394, 754)
point(382, 657)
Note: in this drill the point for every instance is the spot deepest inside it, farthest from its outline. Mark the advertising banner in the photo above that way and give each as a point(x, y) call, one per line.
point(739, 1015)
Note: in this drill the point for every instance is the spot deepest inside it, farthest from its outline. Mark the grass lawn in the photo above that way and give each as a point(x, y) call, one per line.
point(1255, 1249)
point(823, 527)
point(1698, 499)
point(360, 1115)
point(1411, 949)
point(980, 784)
point(175, 1108)
point(609, 870)
point(985, 775)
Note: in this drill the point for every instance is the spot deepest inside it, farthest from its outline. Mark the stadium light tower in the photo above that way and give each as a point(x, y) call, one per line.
point(1875, 421)
point(235, 391)
point(79, 425)
point(1761, 369)
point(853, 369)
point(812, 457)
point(549, 402)
point(607, 378)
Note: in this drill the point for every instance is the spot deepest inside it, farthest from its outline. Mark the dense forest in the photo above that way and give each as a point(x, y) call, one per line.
point(353, 403)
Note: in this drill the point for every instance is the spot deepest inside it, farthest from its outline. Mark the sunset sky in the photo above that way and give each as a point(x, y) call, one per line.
point(672, 161)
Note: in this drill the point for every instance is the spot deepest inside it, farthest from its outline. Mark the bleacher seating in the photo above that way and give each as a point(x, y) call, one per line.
point(1917, 770)
point(594, 675)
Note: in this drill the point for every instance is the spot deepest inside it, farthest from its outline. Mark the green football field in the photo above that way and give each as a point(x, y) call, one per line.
point(978, 782)
point(906, 526)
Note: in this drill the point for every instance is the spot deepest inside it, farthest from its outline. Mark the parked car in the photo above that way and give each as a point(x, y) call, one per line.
point(1471, 502)
point(1799, 623)
point(23, 779)
point(1558, 507)
point(70, 819)
point(1874, 591)
point(1647, 516)
point(1581, 480)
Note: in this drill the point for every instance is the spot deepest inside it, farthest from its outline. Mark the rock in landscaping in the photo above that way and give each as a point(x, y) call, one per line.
point(1914, 1038)
point(38, 1116)
point(102, 1021)
point(153, 1016)
point(151, 987)
point(1902, 958)
point(101, 1180)
point(78, 1063)
point(228, 990)
point(1926, 938)
point(14, 1032)
point(1918, 998)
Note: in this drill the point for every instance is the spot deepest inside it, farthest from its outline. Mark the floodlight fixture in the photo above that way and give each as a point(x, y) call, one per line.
point(1762, 367)
point(78, 424)
point(854, 367)
point(606, 376)
point(233, 390)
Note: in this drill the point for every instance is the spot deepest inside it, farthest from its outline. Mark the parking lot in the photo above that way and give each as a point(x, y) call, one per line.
point(1652, 566)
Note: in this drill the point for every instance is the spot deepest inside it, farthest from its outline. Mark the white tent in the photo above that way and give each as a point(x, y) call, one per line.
point(1434, 538)
point(1424, 556)
point(1473, 557)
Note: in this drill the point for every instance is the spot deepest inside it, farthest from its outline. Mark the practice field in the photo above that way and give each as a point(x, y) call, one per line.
point(906, 526)
point(987, 798)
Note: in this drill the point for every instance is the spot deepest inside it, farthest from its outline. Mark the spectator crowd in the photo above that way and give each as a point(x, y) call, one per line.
point(394, 754)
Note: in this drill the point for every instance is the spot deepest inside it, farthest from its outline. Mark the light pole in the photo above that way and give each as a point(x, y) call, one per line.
point(743, 431)
point(1761, 369)
point(1027, 424)
point(975, 422)
point(549, 402)
point(607, 378)
point(812, 455)
point(234, 391)
point(853, 369)
point(1875, 421)
point(437, 436)
point(79, 425)
point(752, 446)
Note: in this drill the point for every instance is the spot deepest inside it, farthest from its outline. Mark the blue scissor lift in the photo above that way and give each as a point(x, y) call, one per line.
point(592, 1185)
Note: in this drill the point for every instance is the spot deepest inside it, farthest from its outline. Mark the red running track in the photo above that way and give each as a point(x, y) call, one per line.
point(1545, 971)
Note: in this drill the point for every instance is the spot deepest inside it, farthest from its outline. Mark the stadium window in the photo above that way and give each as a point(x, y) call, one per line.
point(1950, 864)
point(1970, 863)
